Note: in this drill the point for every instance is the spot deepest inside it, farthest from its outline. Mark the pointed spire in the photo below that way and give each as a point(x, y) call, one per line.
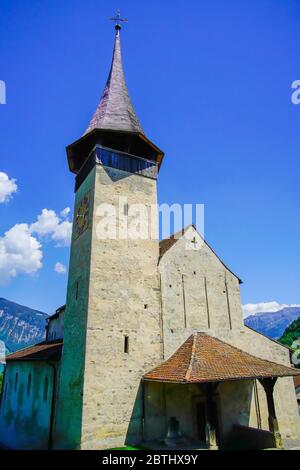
point(115, 110)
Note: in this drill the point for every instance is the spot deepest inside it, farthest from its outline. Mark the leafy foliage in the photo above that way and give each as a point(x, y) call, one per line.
point(1, 381)
point(273, 324)
point(291, 334)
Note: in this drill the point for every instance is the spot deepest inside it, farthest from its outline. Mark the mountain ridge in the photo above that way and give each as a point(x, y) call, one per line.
point(273, 324)
point(20, 326)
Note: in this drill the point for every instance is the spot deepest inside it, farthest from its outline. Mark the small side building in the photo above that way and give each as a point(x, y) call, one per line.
point(30, 390)
point(55, 325)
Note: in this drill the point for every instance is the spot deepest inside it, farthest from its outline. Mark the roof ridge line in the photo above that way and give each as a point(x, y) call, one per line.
point(204, 358)
point(189, 370)
point(108, 82)
point(175, 237)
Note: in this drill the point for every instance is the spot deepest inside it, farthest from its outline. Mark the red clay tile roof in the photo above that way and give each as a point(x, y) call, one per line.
point(46, 351)
point(203, 358)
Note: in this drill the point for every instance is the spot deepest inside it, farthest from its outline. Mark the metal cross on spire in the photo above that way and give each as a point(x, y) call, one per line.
point(118, 20)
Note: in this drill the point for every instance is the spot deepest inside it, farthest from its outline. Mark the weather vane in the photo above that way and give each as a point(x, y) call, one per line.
point(118, 20)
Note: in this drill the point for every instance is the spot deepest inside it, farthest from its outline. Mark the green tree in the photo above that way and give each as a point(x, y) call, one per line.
point(291, 334)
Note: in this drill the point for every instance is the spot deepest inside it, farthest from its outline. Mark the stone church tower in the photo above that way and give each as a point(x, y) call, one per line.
point(152, 349)
point(112, 320)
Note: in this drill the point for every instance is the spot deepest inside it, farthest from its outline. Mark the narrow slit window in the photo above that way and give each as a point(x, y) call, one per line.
point(126, 344)
point(28, 384)
point(76, 290)
point(16, 380)
point(46, 386)
point(126, 209)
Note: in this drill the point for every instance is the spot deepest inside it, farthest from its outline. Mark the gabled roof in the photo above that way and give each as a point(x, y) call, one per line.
point(167, 243)
point(203, 359)
point(115, 110)
point(45, 351)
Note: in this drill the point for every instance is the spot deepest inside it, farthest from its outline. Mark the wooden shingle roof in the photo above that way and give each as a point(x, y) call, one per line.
point(115, 110)
point(203, 358)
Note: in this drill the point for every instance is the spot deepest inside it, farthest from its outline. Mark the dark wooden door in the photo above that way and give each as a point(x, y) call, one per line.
point(216, 421)
point(201, 421)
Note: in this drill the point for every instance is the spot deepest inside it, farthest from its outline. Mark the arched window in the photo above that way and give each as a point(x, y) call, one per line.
point(28, 384)
point(16, 381)
point(4, 402)
point(46, 386)
point(21, 394)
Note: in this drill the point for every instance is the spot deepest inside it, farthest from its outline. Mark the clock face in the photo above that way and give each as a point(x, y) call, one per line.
point(82, 215)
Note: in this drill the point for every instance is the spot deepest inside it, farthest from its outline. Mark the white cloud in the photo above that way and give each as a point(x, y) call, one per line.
point(46, 224)
point(7, 187)
point(63, 233)
point(20, 253)
point(270, 307)
point(21, 249)
point(50, 224)
point(60, 268)
point(65, 212)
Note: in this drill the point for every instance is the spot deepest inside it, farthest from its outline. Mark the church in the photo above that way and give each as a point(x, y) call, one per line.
point(150, 349)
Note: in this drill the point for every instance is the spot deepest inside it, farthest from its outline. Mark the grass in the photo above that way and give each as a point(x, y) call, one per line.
point(128, 448)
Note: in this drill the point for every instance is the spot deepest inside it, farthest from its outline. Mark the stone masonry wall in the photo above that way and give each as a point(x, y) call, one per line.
point(25, 407)
point(124, 300)
point(68, 420)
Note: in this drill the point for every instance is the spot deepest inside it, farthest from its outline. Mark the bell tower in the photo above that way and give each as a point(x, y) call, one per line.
point(112, 321)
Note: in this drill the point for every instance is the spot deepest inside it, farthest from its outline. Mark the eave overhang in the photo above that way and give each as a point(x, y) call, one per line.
point(135, 143)
point(205, 359)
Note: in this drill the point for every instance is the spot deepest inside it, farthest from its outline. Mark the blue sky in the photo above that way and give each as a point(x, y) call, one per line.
point(211, 83)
